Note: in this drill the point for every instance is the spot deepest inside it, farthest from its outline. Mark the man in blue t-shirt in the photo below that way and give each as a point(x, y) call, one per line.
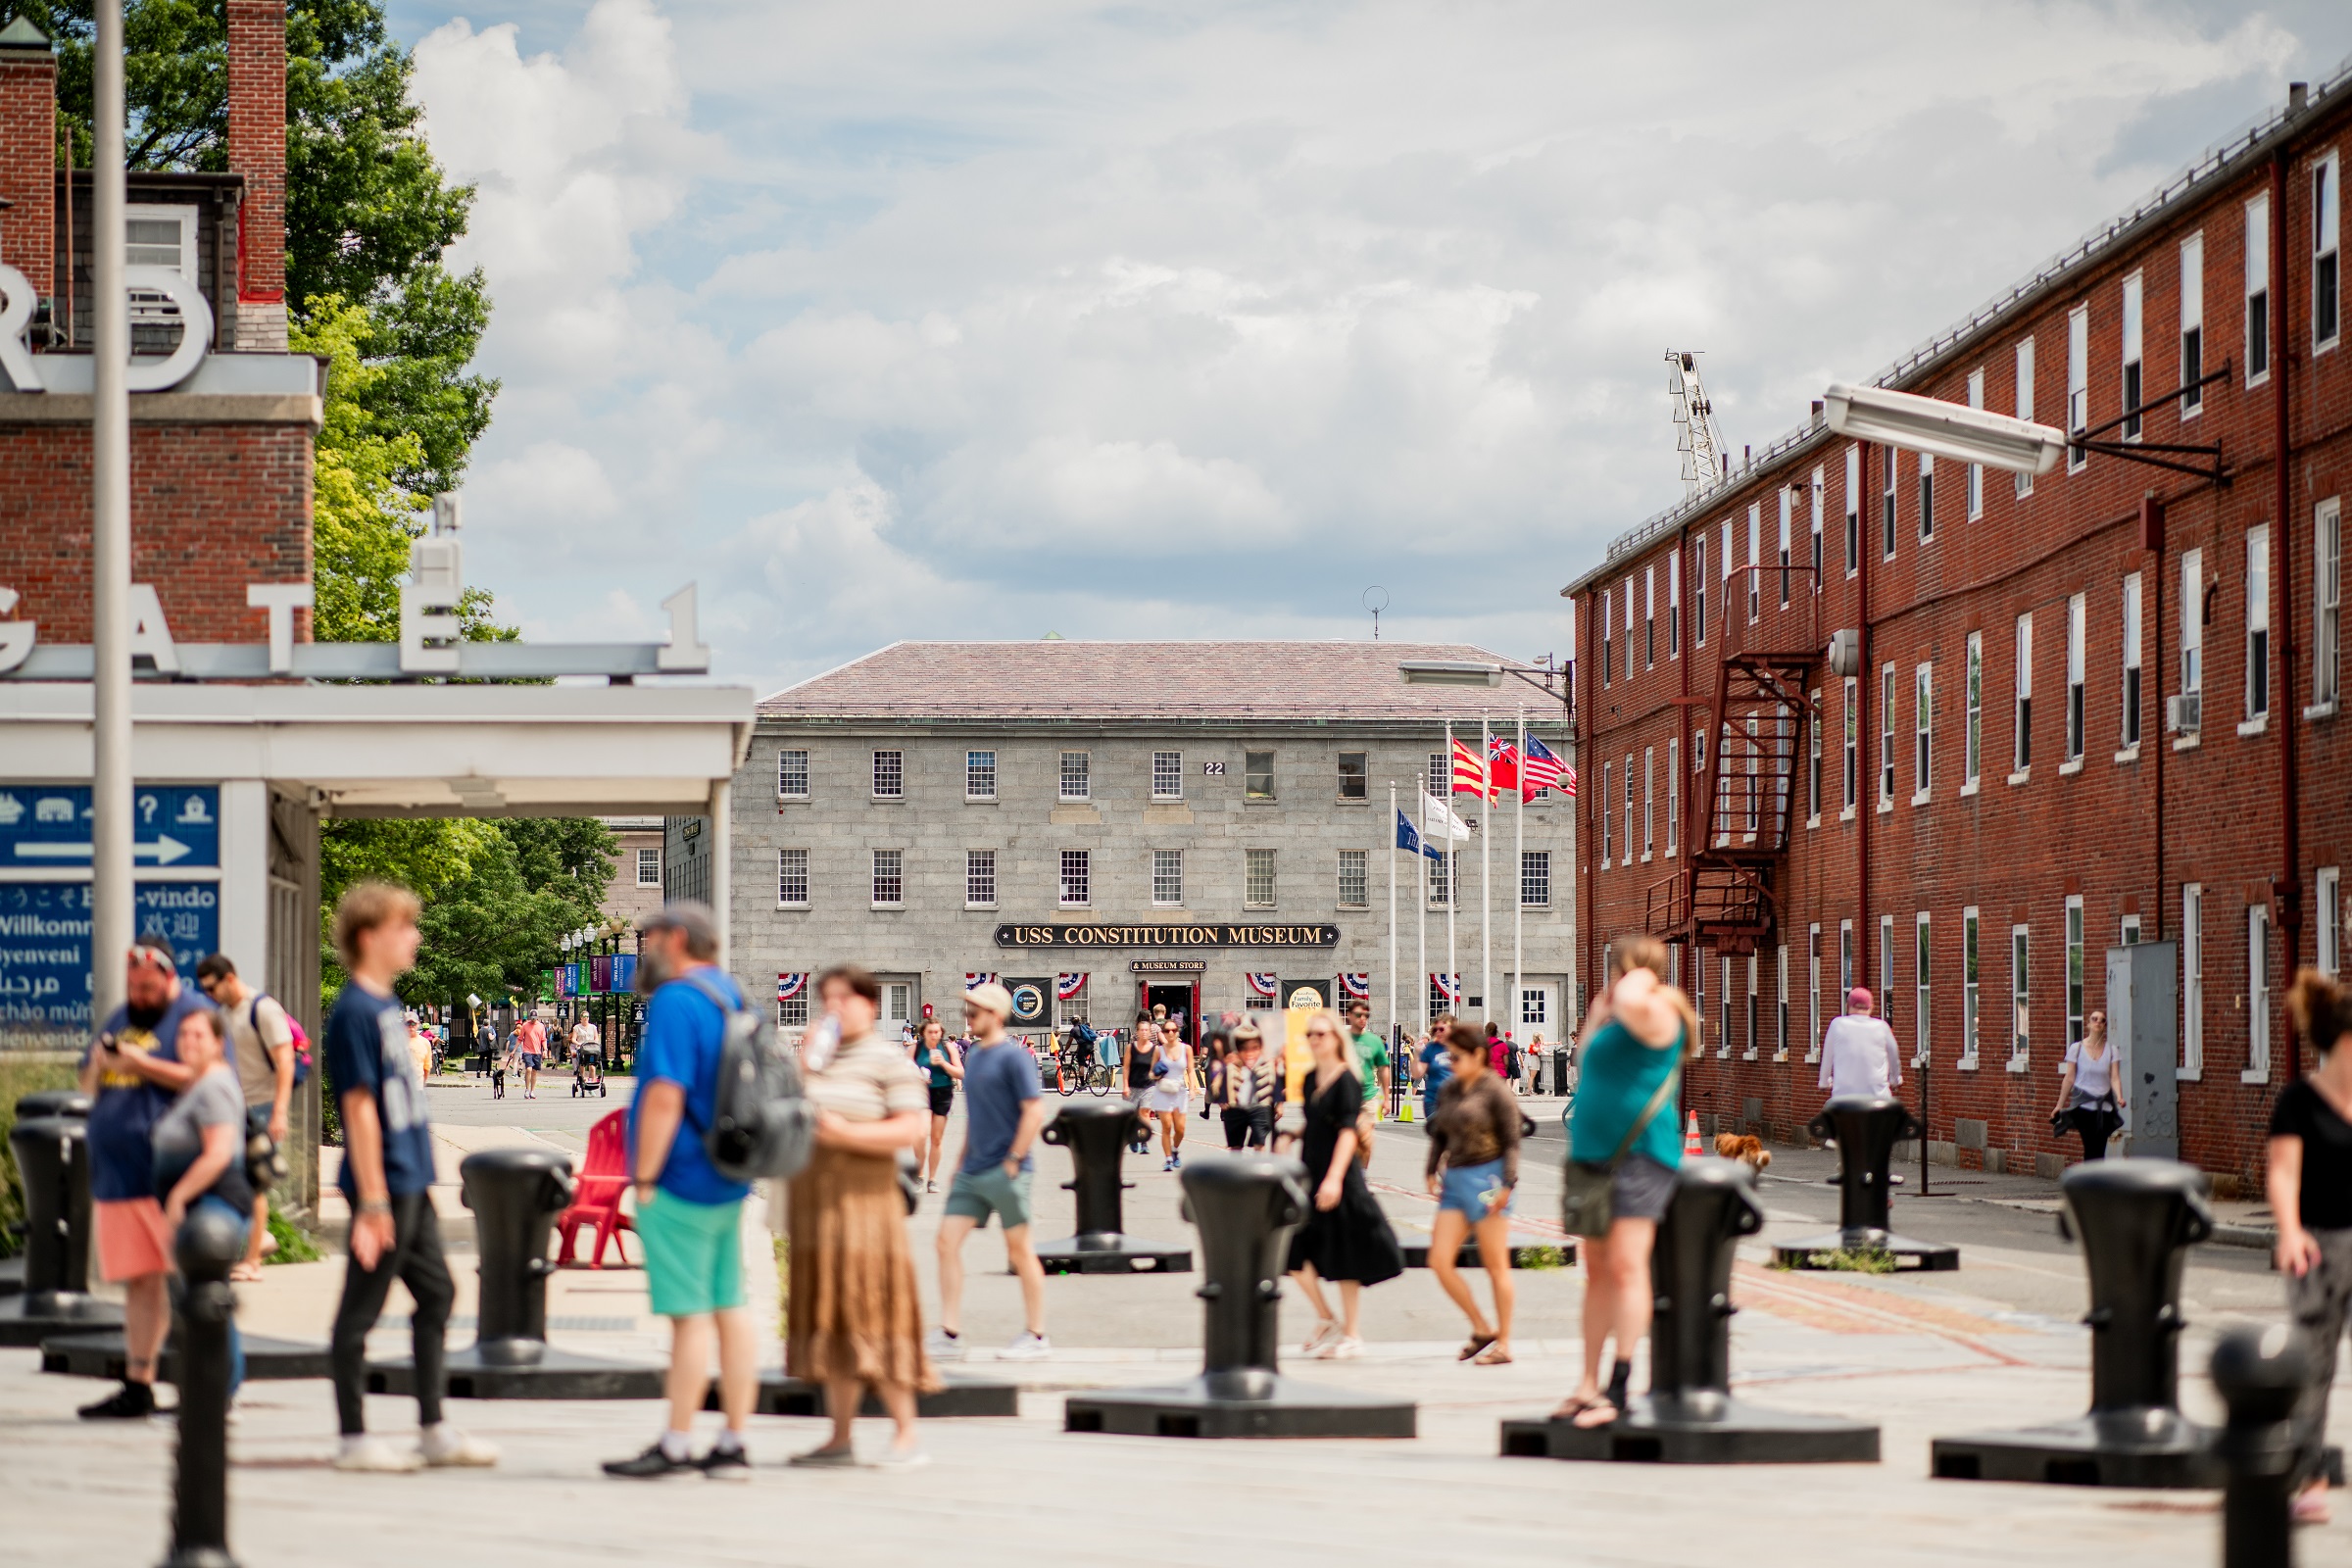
point(387, 1178)
point(1436, 1069)
point(689, 1217)
point(131, 1072)
point(1003, 1111)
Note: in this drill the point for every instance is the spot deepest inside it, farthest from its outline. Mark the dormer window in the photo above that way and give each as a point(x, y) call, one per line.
point(158, 236)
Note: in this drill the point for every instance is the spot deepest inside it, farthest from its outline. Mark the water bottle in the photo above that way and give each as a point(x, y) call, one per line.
point(820, 1043)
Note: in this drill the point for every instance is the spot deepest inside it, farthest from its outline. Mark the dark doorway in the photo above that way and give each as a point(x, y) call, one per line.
point(1183, 1000)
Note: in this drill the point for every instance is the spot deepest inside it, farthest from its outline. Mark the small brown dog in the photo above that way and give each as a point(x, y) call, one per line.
point(1740, 1146)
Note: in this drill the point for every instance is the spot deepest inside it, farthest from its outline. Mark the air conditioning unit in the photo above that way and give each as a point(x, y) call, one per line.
point(2184, 714)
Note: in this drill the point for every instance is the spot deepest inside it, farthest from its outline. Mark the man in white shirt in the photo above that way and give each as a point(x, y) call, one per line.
point(264, 1043)
point(1858, 1053)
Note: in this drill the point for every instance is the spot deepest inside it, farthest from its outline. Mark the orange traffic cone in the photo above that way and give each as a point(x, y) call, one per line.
point(1691, 1137)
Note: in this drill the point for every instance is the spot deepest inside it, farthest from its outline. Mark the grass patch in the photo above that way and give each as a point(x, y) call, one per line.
point(1540, 1259)
point(18, 1079)
point(1849, 1260)
point(294, 1244)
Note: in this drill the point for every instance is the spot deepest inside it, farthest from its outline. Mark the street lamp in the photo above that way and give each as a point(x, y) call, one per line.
point(1942, 429)
point(1547, 676)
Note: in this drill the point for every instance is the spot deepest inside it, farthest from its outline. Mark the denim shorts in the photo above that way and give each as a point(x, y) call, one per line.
point(1466, 1190)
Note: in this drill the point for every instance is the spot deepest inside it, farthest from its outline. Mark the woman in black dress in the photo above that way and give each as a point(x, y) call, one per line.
point(1344, 1235)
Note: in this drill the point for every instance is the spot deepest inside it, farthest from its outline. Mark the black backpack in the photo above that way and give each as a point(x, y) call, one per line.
point(762, 1125)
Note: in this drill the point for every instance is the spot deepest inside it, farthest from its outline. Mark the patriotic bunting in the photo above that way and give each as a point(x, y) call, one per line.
point(973, 982)
point(1448, 985)
point(1263, 985)
point(789, 986)
point(1358, 986)
point(1067, 986)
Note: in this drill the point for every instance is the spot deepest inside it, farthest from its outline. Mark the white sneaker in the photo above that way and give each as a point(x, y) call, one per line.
point(941, 1345)
point(374, 1456)
point(1346, 1347)
point(911, 1459)
point(443, 1446)
point(1028, 1348)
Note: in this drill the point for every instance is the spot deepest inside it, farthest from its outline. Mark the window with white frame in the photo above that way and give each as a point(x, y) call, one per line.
point(2023, 687)
point(1649, 617)
point(2326, 601)
point(1886, 968)
point(1258, 889)
point(1922, 731)
point(2021, 1011)
point(1972, 749)
point(1887, 504)
point(1970, 997)
point(1077, 881)
point(1167, 776)
point(2192, 326)
point(2074, 967)
point(1609, 633)
point(979, 775)
point(979, 879)
point(2127, 931)
point(2078, 620)
point(1674, 793)
point(2258, 621)
point(1442, 869)
point(890, 878)
point(1756, 554)
point(2132, 295)
point(792, 879)
point(157, 236)
point(1355, 879)
point(1853, 509)
point(649, 869)
point(1926, 497)
point(1607, 774)
point(1845, 965)
point(2258, 290)
point(2327, 207)
point(792, 1013)
point(1355, 775)
point(1698, 990)
point(1534, 879)
point(1168, 877)
point(2192, 621)
point(2078, 383)
point(2329, 906)
point(1650, 775)
point(1077, 776)
point(1976, 470)
point(1788, 523)
point(2022, 483)
point(1628, 627)
point(792, 774)
point(1698, 588)
point(1439, 780)
point(1722, 1044)
point(1755, 759)
point(2130, 731)
point(1854, 741)
point(2192, 979)
point(1887, 735)
point(1257, 775)
point(890, 775)
point(1919, 985)
point(1813, 758)
point(1780, 981)
point(2258, 994)
point(1629, 808)
point(1813, 992)
point(1728, 570)
point(1819, 490)
point(1673, 605)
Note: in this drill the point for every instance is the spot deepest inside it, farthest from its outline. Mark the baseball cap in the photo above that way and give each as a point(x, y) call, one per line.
point(1859, 996)
point(990, 997)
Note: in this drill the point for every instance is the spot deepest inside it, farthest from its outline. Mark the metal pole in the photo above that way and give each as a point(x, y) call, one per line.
point(1421, 939)
point(1396, 1068)
point(111, 894)
point(1519, 863)
point(1486, 870)
point(1453, 892)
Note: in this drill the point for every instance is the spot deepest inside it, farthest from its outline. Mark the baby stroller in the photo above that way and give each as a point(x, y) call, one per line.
point(588, 1073)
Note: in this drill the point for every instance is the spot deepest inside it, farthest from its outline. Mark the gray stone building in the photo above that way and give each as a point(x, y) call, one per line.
point(1108, 825)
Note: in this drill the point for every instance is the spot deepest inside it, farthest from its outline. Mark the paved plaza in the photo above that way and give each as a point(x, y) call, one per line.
point(1998, 1344)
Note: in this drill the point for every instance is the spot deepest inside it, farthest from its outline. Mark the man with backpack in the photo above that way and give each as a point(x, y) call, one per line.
point(689, 1215)
point(263, 1036)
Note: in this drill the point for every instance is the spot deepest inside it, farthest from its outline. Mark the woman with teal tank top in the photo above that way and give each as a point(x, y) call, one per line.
point(1637, 1035)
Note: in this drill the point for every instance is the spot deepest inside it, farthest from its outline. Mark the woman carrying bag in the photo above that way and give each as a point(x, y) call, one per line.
point(1344, 1237)
point(2090, 1092)
point(1623, 1149)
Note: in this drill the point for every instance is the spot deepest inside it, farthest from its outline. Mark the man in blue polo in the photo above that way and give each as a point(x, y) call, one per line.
point(1003, 1110)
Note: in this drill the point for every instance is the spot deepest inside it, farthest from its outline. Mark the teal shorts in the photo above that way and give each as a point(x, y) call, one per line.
point(693, 1254)
point(976, 1195)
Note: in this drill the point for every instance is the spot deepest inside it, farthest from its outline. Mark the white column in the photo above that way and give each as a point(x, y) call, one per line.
point(245, 878)
point(723, 881)
point(113, 905)
point(1516, 880)
point(1485, 867)
point(1393, 1021)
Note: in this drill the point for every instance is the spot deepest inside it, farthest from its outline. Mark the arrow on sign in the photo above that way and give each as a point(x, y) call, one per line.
point(163, 852)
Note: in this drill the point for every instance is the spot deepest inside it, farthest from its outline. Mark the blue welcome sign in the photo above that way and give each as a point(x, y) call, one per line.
point(47, 826)
point(45, 946)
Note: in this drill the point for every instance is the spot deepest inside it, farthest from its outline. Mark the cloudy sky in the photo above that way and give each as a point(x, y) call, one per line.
point(994, 317)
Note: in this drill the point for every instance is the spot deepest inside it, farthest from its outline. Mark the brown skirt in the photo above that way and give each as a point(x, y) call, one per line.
point(851, 1311)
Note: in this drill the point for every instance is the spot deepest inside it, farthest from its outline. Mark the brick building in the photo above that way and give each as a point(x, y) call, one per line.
point(2097, 707)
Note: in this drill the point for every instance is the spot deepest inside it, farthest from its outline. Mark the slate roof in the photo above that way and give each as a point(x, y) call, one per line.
point(1137, 681)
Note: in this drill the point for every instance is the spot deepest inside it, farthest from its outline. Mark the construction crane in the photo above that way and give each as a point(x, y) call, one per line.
point(1694, 423)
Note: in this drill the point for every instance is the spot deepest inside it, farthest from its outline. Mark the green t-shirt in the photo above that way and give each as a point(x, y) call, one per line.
point(1371, 1054)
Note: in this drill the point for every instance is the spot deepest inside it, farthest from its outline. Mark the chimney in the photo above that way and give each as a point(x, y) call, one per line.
point(28, 156)
point(257, 150)
point(2298, 97)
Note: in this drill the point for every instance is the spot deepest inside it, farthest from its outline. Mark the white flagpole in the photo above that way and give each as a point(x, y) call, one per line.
point(1453, 894)
point(1421, 941)
point(1486, 871)
point(1519, 864)
point(1395, 1074)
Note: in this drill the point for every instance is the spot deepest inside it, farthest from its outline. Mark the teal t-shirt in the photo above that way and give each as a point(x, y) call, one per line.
point(1618, 1076)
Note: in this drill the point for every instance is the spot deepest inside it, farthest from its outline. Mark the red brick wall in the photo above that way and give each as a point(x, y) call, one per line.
point(213, 507)
point(2017, 852)
point(257, 143)
point(28, 162)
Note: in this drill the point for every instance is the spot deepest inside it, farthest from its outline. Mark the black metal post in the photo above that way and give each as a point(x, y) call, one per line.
point(1866, 1129)
point(207, 1246)
point(1096, 1132)
point(2260, 1374)
point(516, 1194)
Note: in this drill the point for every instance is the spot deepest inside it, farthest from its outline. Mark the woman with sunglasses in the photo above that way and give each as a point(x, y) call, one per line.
point(1344, 1235)
point(1473, 1169)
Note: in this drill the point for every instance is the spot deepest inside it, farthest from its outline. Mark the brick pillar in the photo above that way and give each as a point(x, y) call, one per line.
point(257, 150)
point(28, 155)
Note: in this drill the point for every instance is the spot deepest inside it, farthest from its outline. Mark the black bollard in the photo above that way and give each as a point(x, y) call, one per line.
point(2136, 1219)
point(207, 1246)
point(53, 1160)
point(1690, 1416)
point(516, 1194)
point(1097, 1133)
point(1245, 1208)
point(2261, 1375)
point(52, 1102)
point(1867, 1128)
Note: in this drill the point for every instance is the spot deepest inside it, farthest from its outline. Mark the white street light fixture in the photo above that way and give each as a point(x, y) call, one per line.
point(1448, 672)
point(1943, 430)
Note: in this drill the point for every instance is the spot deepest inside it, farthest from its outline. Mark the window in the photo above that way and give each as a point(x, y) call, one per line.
point(2326, 207)
point(2192, 621)
point(1168, 877)
point(2074, 967)
point(2328, 904)
point(1922, 731)
point(1887, 735)
point(1607, 773)
point(2077, 614)
point(1628, 627)
point(1853, 509)
point(2131, 659)
point(979, 879)
point(1976, 470)
point(2078, 383)
point(2192, 979)
point(1968, 995)
point(2131, 357)
point(1355, 776)
point(1813, 757)
point(1258, 890)
point(2020, 1011)
point(1673, 605)
point(1167, 775)
point(2127, 930)
point(1845, 964)
point(1257, 775)
point(1439, 780)
point(157, 236)
point(1754, 759)
point(1650, 773)
point(1752, 967)
point(1887, 504)
point(979, 775)
point(1813, 992)
point(1609, 633)
point(2326, 601)
point(1926, 497)
point(1629, 808)
point(2192, 324)
point(1535, 1007)
point(649, 869)
point(2025, 692)
point(1077, 878)
point(1854, 741)
point(1674, 792)
point(1077, 776)
point(1818, 498)
point(2258, 290)
point(1723, 1041)
point(1788, 515)
point(792, 1013)
point(1698, 588)
point(1649, 617)
point(1780, 1035)
point(890, 878)
point(2024, 482)
point(1919, 990)
point(890, 775)
point(1973, 739)
point(792, 878)
point(2258, 621)
point(1534, 879)
point(1756, 550)
point(1355, 879)
point(1440, 878)
point(1886, 968)
point(1698, 988)
point(2258, 994)
point(792, 775)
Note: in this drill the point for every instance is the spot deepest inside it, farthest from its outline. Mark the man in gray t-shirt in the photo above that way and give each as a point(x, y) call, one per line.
point(1002, 1113)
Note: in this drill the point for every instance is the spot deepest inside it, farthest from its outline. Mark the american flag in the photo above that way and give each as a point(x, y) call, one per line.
point(1469, 773)
point(1545, 771)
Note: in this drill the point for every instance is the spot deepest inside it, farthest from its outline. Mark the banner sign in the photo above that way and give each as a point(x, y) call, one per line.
point(44, 826)
point(1032, 1004)
point(1235, 935)
point(1171, 966)
point(600, 973)
point(1296, 994)
point(625, 971)
point(45, 944)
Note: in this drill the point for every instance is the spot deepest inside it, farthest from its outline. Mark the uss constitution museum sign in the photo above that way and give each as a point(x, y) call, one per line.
point(1092, 935)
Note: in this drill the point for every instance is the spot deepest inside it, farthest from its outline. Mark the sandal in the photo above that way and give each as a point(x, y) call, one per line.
point(1493, 1355)
point(1574, 1410)
point(245, 1274)
point(1325, 1332)
point(1472, 1345)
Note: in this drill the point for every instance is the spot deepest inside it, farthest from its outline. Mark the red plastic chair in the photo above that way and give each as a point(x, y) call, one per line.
point(595, 1194)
